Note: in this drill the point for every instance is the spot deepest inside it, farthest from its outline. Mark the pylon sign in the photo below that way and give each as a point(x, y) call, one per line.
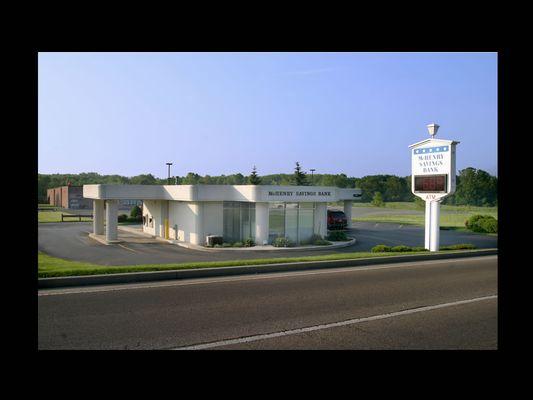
point(433, 178)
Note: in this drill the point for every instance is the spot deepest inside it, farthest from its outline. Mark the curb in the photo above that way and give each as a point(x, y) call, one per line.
point(334, 245)
point(131, 277)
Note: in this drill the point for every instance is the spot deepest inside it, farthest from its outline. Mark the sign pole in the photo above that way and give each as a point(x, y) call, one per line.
point(433, 179)
point(427, 222)
point(434, 234)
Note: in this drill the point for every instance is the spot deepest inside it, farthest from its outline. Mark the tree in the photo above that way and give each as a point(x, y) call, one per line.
point(135, 212)
point(476, 187)
point(299, 176)
point(377, 200)
point(254, 178)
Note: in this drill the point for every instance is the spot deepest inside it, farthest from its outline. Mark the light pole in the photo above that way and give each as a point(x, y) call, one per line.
point(168, 179)
point(312, 170)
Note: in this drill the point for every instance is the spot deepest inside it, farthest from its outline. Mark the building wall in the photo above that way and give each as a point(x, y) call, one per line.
point(213, 213)
point(50, 193)
point(76, 200)
point(185, 222)
point(151, 209)
point(64, 196)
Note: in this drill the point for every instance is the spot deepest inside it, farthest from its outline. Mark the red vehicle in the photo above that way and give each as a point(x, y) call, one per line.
point(337, 220)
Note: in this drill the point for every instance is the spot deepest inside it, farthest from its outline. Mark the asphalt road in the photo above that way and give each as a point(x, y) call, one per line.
point(71, 241)
point(446, 304)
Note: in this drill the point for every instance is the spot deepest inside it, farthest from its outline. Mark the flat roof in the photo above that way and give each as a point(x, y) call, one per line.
point(248, 193)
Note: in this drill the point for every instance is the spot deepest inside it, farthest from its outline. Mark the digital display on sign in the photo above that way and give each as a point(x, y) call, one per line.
point(431, 183)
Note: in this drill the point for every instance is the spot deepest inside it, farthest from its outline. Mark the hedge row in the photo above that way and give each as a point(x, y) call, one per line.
point(381, 248)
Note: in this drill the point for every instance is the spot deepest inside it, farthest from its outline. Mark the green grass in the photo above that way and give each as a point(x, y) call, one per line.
point(49, 206)
point(54, 267)
point(450, 216)
point(55, 216)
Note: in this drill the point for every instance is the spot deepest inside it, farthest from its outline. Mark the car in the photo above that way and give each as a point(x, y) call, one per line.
point(337, 220)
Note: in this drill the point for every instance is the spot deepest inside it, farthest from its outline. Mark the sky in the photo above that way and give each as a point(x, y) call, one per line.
point(223, 113)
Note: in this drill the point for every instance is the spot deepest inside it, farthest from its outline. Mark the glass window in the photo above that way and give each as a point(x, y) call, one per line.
point(291, 221)
point(305, 221)
point(276, 221)
point(238, 221)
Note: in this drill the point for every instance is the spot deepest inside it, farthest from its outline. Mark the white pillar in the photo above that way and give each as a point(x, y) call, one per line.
point(427, 223)
point(321, 219)
point(197, 237)
point(435, 226)
point(261, 223)
point(111, 216)
point(98, 217)
point(348, 212)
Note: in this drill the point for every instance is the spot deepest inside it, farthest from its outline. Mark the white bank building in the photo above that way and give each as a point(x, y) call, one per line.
point(189, 213)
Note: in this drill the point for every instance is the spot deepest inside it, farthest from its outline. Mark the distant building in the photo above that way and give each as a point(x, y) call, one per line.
point(71, 197)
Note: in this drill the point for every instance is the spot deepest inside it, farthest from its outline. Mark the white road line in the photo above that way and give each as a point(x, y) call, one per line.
point(255, 338)
point(127, 248)
point(205, 281)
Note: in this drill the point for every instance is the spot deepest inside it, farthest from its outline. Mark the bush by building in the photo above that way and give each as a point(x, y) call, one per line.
point(122, 218)
point(249, 242)
point(337, 236)
point(282, 242)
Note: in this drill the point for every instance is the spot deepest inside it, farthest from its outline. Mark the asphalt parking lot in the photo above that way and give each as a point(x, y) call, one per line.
point(71, 241)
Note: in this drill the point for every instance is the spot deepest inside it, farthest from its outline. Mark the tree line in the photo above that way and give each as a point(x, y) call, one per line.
point(474, 186)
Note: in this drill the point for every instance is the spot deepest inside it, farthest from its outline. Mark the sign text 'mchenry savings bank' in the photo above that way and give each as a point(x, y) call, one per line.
point(297, 193)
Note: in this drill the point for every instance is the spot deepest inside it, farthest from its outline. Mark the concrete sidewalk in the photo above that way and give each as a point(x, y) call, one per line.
point(335, 245)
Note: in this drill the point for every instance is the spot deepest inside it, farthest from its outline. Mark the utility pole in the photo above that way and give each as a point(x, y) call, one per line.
point(168, 179)
point(312, 180)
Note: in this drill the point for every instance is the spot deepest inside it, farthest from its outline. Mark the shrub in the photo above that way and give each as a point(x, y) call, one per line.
point(419, 249)
point(282, 242)
point(217, 245)
point(337, 236)
point(482, 224)
point(401, 248)
point(377, 200)
point(462, 246)
point(122, 218)
point(380, 248)
point(225, 244)
point(238, 244)
point(136, 212)
point(489, 225)
point(249, 242)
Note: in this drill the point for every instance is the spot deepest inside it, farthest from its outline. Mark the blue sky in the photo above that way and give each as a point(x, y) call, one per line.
point(222, 113)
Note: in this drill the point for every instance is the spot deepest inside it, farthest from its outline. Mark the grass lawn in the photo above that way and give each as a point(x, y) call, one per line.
point(52, 267)
point(450, 216)
point(55, 216)
point(49, 206)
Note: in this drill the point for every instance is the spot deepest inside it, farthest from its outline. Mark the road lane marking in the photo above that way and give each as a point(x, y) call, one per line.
point(205, 281)
point(255, 338)
point(127, 248)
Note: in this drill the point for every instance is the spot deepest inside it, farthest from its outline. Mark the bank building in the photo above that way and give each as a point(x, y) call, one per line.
point(190, 213)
